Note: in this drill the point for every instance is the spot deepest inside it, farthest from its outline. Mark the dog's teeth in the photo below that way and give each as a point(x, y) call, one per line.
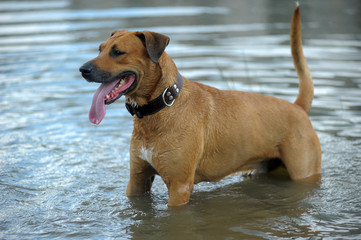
point(107, 96)
point(120, 83)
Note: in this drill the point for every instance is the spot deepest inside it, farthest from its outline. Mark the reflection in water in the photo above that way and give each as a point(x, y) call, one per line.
point(239, 210)
point(61, 177)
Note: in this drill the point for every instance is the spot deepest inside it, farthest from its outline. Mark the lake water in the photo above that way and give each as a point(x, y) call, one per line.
point(63, 178)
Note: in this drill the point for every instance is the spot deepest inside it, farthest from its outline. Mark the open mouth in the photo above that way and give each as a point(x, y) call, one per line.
point(109, 92)
point(123, 85)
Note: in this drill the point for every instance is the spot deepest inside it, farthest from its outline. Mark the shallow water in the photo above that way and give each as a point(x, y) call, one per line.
point(61, 177)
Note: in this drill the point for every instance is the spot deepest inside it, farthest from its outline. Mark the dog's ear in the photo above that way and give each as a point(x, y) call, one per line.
point(155, 43)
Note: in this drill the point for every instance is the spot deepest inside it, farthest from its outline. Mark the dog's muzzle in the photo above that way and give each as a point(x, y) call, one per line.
point(92, 73)
point(112, 87)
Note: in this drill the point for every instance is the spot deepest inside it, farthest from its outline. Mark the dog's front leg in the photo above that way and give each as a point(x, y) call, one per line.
point(179, 192)
point(141, 177)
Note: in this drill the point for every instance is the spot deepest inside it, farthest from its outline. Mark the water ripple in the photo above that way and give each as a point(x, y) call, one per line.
point(119, 13)
point(61, 177)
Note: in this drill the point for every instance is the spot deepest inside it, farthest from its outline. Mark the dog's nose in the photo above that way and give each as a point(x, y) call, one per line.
point(86, 68)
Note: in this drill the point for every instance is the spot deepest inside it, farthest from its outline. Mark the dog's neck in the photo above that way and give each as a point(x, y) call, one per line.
point(163, 94)
point(166, 73)
point(166, 99)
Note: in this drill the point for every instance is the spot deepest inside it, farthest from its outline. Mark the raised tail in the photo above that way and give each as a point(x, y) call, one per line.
point(305, 95)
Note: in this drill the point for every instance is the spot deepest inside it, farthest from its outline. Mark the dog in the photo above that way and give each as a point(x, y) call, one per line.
point(188, 132)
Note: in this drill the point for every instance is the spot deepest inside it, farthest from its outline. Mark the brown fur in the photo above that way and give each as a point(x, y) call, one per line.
point(209, 133)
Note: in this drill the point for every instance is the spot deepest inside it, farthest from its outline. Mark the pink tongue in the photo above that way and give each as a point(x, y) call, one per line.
point(97, 110)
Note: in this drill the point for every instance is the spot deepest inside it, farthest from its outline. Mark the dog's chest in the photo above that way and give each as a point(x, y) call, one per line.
point(146, 154)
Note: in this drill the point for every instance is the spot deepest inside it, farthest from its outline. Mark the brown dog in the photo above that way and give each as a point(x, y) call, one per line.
point(188, 132)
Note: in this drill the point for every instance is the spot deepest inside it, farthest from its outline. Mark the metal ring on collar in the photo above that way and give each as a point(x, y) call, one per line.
point(165, 102)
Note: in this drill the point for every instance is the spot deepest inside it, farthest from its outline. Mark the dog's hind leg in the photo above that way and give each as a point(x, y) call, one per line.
point(302, 158)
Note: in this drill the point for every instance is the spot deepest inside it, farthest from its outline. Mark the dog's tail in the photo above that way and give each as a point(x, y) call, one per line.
point(305, 95)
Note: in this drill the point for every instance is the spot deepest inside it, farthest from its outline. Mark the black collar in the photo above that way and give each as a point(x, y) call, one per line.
point(167, 98)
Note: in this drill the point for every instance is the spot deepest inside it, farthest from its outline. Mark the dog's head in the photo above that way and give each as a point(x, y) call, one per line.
point(125, 62)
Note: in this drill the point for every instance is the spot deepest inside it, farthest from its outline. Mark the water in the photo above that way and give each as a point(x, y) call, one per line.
point(63, 178)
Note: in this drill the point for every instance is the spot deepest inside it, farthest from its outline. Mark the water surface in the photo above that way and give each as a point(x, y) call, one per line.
point(61, 177)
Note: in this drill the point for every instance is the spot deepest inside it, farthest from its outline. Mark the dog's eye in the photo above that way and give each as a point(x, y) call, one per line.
point(117, 53)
